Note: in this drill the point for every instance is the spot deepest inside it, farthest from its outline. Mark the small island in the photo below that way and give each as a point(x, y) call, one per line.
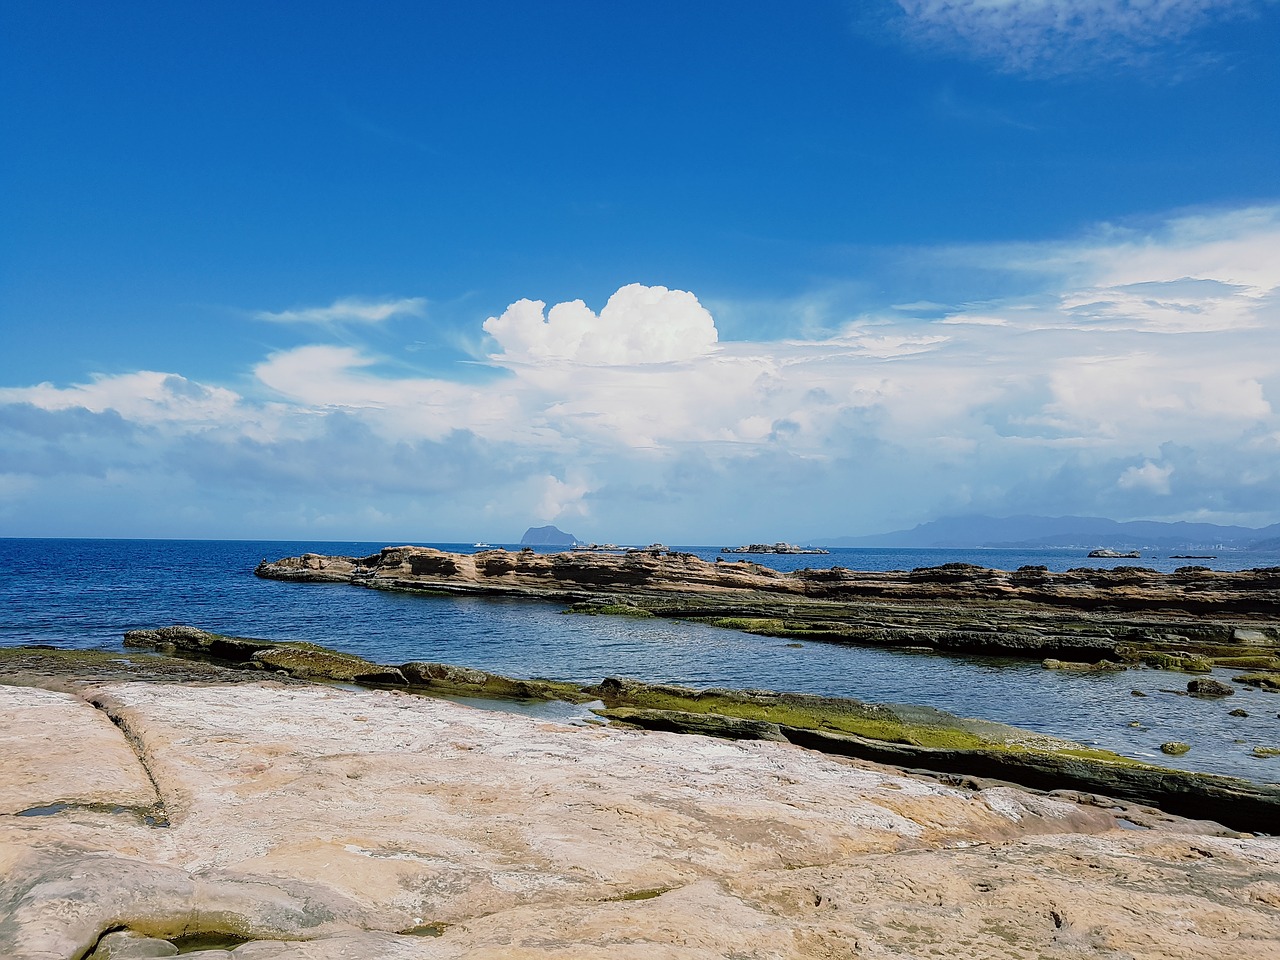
point(780, 547)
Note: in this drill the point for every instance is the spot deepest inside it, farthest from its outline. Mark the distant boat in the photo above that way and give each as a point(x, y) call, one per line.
point(482, 546)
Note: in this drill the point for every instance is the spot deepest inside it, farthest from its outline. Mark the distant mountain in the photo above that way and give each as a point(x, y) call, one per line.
point(547, 536)
point(1030, 532)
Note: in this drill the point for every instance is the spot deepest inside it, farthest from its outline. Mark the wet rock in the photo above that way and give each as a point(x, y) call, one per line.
point(1132, 614)
point(704, 724)
point(1264, 681)
point(1175, 748)
point(318, 663)
point(1238, 713)
point(1102, 666)
point(445, 678)
point(127, 945)
point(1208, 687)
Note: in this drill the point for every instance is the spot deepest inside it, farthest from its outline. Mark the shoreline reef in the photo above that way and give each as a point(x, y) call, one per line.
point(227, 808)
point(911, 737)
point(1190, 620)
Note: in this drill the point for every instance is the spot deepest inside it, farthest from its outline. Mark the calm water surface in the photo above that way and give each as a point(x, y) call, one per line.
point(86, 593)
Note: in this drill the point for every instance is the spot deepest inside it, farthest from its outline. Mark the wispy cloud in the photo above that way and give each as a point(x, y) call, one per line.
point(349, 310)
point(1062, 36)
point(1132, 371)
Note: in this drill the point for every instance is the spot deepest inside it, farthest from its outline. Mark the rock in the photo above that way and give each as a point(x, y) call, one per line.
point(1238, 713)
point(1266, 751)
point(1208, 687)
point(127, 945)
point(445, 678)
point(1102, 666)
point(317, 823)
point(1126, 614)
point(318, 663)
point(1175, 748)
point(1137, 693)
point(705, 724)
point(1265, 681)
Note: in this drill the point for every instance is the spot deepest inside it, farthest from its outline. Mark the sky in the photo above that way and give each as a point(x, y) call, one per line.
point(692, 273)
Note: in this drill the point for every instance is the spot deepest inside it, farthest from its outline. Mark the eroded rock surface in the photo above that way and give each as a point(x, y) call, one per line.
point(311, 822)
point(1188, 620)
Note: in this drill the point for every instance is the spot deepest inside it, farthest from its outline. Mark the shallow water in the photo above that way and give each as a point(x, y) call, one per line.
point(86, 593)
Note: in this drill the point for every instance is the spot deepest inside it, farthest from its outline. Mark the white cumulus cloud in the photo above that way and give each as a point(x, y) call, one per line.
point(639, 324)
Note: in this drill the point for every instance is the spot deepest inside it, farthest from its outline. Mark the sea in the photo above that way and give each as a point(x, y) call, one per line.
point(84, 594)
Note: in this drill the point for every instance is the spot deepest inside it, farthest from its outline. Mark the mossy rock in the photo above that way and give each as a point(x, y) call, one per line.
point(1265, 681)
point(1175, 748)
point(1182, 662)
point(312, 662)
point(464, 681)
point(610, 610)
point(1266, 751)
point(768, 626)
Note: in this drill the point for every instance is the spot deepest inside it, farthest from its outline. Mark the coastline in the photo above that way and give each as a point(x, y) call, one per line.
point(910, 737)
point(1190, 619)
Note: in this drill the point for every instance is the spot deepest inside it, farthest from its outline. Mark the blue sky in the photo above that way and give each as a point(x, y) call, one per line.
point(292, 270)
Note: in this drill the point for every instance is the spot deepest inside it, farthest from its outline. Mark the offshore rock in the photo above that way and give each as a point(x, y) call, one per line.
point(1185, 620)
point(1208, 687)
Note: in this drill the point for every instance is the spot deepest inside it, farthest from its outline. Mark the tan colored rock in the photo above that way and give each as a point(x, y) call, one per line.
point(324, 823)
point(57, 749)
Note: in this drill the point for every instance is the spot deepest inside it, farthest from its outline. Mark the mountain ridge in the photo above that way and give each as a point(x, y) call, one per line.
point(1029, 532)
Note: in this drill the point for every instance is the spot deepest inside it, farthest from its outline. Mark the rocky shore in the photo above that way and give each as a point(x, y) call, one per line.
point(915, 737)
point(1191, 619)
point(153, 805)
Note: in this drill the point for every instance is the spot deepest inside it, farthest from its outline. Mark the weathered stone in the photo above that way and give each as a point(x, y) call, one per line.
point(1175, 748)
point(1265, 681)
point(1208, 687)
point(1102, 666)
point(1181, 621)
point(58, 751)
point(329, 824)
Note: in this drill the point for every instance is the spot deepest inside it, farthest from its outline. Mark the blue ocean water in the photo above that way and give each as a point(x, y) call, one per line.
point(86, 593)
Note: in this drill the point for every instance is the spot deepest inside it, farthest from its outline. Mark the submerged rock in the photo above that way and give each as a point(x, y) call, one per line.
point(1208, 687)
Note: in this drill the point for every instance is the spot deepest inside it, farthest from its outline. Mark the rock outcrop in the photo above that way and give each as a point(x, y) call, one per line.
point(1189, 619)
point(315, 823)
point(911, 736)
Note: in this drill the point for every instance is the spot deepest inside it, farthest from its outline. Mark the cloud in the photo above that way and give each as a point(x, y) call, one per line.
point(146, 396)
point(638, 325)
point(1062, 36)
point(1132, 371)
point(1150, 476)
point(349, 310)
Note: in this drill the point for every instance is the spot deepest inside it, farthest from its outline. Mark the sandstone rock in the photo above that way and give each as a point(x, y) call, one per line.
point(328, 824)
point(1129, 614)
